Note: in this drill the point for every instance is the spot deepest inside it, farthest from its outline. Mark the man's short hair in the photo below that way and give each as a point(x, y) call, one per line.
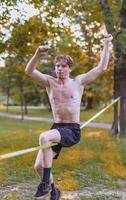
point(65, 58)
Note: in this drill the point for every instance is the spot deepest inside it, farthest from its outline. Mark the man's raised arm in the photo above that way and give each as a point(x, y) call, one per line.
point(102, 66)
point(31, 70)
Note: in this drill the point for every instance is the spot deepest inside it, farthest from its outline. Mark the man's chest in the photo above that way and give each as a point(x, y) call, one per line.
point(65, 92)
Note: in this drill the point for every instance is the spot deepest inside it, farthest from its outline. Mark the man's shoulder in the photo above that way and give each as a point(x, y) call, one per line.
point(79, 76)
point(51, 78)
point(77, 80)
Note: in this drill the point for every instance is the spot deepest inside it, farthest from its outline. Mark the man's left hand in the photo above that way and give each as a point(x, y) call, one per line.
point(108, 38)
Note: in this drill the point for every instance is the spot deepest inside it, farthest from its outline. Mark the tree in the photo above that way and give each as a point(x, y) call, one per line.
point(86, 16)
point(54, 24)
point(117, 27)
point(113, 14)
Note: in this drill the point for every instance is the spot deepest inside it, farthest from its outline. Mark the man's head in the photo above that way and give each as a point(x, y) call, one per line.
point(63, 65)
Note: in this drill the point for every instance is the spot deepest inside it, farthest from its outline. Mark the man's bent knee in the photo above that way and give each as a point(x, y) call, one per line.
point(43, 139)
point(51, 135)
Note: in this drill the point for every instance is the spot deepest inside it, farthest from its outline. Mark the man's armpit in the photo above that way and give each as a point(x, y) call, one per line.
point(81, 79)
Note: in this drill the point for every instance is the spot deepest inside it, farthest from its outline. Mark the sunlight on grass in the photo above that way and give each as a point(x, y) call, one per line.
point(92, 134)
point(38, 132)
point(95, 160)
point(14, 195)
point(67, 181)
point(69, 157)
point(108, 154)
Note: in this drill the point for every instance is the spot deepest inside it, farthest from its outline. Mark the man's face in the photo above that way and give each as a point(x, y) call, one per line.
point(62, 69)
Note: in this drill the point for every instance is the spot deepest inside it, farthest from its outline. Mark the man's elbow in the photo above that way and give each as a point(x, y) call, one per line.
point(28, 72)
point(102, 69)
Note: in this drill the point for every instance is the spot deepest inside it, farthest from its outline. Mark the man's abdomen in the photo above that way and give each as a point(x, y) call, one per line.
point(66, 113)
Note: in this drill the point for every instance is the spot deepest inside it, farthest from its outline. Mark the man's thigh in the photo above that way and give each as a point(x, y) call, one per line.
point(51, 135)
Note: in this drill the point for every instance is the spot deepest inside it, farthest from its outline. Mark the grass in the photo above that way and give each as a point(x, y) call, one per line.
point(84, 115)
point(39, 112)
point(102, 197)
point(16, 135)
point(106, 117)
point(97, 160)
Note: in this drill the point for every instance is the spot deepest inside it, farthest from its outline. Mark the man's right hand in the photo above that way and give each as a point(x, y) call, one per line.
point(41, 51)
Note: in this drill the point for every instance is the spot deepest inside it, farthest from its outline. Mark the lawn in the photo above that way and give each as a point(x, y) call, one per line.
point(97, 160)
point(106, 117)
point(40, 112)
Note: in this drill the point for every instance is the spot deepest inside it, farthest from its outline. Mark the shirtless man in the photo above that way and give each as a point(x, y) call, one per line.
point(65, 98)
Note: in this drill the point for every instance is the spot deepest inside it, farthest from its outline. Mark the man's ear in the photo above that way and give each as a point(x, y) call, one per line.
point(70, 70)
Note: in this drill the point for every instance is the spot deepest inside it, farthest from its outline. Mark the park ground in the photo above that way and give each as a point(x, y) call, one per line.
point(94, 169)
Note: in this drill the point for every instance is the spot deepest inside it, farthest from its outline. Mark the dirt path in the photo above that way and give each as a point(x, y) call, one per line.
point(46, 119)
point(25, 191)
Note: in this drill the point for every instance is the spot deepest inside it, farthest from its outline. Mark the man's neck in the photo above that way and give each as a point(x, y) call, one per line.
point(63, 81)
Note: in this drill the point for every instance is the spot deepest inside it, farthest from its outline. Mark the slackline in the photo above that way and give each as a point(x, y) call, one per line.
point(29, 150)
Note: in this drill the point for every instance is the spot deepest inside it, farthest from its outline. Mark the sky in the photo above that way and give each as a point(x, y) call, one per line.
point(27, 10)
point(24, 8)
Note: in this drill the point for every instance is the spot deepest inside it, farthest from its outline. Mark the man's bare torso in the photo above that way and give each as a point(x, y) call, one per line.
point(65, 100)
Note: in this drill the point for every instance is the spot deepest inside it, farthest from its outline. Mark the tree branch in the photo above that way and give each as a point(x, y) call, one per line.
point(108, 17)
point(123, 14)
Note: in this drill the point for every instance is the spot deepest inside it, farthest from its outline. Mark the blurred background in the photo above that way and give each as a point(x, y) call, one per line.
point(75, 28)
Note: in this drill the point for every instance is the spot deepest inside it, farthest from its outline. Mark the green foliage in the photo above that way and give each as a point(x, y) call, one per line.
point(41, 29)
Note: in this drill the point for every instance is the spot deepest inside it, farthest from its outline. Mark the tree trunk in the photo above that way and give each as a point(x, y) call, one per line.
point(22, 108)
point(115, 125)
point(122, 116)
point(25, 106)
point(8, 93)
point(22, 101)
point(120, 64)
point(114, 130)
point(8, 97)
point(89, 103)
point(119, 124)
point(123, 70)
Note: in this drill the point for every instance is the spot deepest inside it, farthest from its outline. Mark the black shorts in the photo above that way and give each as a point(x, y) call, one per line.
point(70, 135)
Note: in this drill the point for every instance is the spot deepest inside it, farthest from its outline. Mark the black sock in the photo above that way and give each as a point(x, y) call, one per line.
point(46, 175)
